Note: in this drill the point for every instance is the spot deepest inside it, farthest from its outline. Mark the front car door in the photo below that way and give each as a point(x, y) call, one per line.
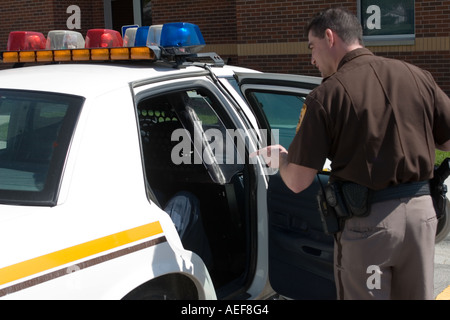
point(300, 253)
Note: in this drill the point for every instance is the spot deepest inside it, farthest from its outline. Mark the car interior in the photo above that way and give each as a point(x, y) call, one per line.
point(175, 129)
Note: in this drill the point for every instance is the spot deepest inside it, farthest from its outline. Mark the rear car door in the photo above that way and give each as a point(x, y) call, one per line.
point(300, 253)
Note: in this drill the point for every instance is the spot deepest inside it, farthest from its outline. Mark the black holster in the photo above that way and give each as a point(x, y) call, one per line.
point(328, 216)
point(439, 189)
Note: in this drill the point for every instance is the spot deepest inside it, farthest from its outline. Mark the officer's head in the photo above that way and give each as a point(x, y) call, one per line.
point(331, 34)
point(342, 22)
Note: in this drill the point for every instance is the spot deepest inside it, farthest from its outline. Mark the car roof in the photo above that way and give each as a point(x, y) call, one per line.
point(89, 79)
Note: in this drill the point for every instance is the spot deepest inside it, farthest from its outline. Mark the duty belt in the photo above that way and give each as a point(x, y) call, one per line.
point(405, 190)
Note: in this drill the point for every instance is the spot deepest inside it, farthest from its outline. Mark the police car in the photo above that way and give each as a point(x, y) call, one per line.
point(125, 173)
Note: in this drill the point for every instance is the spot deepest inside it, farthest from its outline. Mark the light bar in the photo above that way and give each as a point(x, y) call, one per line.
point(25, 40)
point(64, 39)
point(178, 42)
point(93, 54)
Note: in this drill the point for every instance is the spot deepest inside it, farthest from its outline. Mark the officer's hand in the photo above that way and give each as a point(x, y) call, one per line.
point(273, 156)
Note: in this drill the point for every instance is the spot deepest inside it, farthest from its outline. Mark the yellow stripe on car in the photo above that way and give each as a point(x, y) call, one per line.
point(52, 260)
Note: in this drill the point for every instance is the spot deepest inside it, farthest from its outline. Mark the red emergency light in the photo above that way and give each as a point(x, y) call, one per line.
point(103, 38)
point(26, 40)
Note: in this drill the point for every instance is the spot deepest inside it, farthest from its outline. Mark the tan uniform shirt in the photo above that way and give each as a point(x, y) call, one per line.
point(376, 119)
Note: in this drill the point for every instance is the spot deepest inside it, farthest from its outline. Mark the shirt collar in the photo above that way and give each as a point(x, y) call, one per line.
point(354, 54)
point(350, 56)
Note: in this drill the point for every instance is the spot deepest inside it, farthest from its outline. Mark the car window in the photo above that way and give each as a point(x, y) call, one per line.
point(282, 112)
point(191, 131)
point(218, 137)
point(35, 132)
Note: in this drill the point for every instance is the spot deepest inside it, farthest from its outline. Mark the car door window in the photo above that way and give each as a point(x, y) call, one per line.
point(282, 112)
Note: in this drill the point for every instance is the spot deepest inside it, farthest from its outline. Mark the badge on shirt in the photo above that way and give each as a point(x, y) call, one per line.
point(302, 115)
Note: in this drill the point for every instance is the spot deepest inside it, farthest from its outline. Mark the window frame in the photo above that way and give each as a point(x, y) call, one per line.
point(48, 195)
point(220, 170)
point(137, 13)
point(387, 39)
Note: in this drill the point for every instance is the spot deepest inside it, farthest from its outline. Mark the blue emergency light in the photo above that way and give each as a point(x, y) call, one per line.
point(181, 38)
point(141, 36)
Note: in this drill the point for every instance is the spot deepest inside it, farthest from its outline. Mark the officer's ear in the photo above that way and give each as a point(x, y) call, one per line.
point(330, 37)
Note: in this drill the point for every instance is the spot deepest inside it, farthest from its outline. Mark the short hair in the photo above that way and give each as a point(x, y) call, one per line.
point(339, 20)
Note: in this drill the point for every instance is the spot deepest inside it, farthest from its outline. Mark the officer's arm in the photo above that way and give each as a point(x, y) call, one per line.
point(296, 177)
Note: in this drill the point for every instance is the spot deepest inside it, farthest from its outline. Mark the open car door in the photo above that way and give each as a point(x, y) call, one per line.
point(300, 253)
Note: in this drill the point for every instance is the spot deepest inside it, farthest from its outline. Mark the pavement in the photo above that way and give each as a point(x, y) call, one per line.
point(442, 270)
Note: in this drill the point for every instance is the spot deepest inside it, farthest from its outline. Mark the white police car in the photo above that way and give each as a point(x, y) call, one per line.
point(129, 177)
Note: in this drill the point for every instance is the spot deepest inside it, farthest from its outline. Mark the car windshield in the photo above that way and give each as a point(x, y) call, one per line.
point(35, 132)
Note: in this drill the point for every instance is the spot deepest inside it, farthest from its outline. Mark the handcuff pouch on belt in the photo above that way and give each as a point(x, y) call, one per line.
point(349, 199)
point(339, 201)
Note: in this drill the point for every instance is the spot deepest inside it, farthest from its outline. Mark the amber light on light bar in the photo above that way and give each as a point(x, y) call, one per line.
point(142, 53)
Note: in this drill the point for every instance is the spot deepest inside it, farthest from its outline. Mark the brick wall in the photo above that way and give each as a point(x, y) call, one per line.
point(24, 15)
point(248, 32)
point(279, 21)
point(267, 21)
point(46, 15)
point(432, 18)
point(216, 19)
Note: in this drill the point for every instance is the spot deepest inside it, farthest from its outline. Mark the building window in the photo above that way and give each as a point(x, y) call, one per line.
point(127, 12)
point(146, 12)
point(387, 22)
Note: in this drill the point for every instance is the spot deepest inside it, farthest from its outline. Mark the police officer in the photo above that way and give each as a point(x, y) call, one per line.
point(379, 121)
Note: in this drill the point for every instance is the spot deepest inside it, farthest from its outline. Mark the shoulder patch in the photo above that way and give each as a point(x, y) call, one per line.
point(302, 115)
